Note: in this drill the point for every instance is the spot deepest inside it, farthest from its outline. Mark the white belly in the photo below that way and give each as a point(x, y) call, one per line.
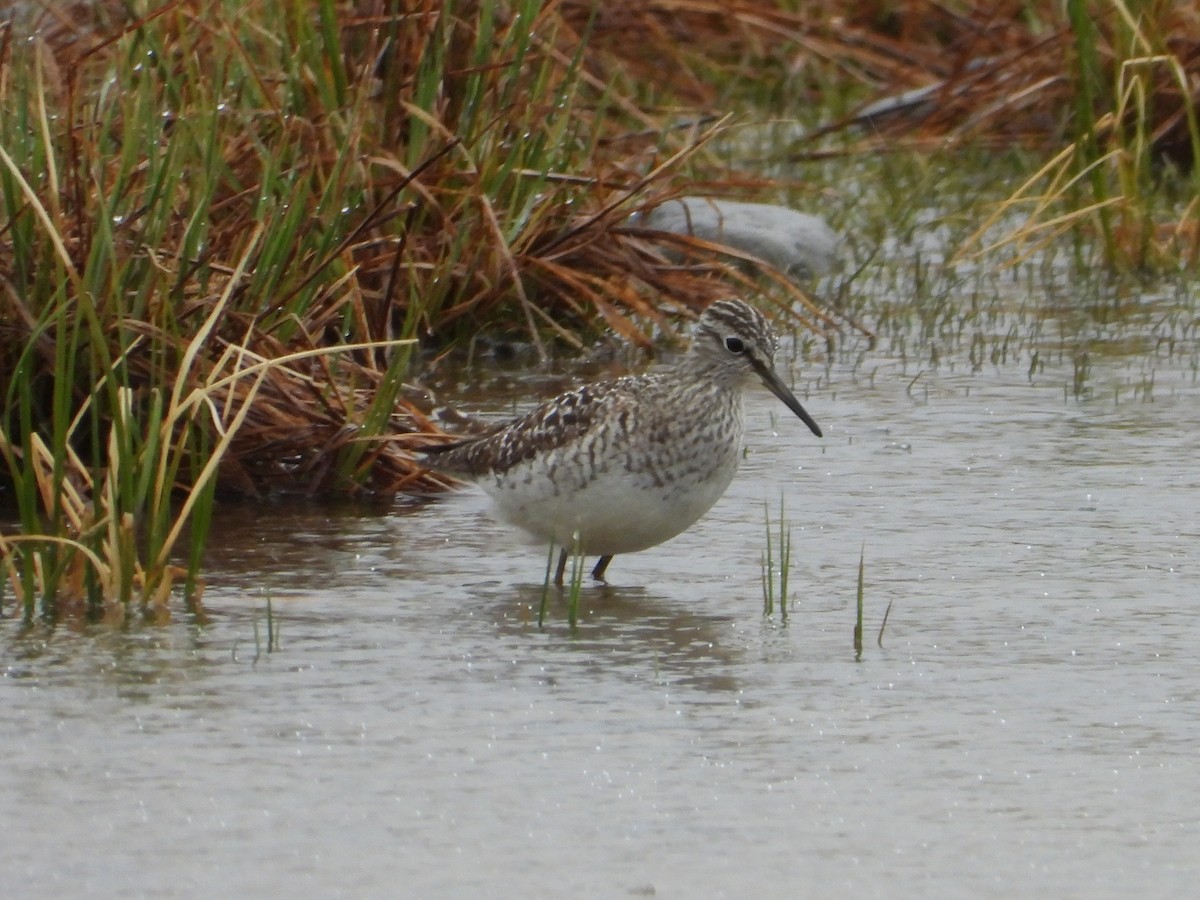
point(621, 507)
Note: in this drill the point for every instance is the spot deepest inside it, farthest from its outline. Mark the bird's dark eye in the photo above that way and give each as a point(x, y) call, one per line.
point(734, 345)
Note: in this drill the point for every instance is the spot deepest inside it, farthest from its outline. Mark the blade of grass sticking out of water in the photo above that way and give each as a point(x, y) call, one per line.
point(575, 589)
point(546, 585)
point(858, 618)
point(882, 625)
point(767, 588)
point(272, 628)
point(257, 639)
point(785, 560)
point(778, 549)
point(768, 565)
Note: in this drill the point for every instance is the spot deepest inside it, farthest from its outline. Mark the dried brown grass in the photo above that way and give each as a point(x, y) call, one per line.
point(430, 211)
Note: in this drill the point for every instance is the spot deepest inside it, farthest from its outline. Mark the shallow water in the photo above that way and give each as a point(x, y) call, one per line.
point(1027, 728)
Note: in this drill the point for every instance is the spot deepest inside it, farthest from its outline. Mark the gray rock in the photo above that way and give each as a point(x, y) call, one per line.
point(796, 243)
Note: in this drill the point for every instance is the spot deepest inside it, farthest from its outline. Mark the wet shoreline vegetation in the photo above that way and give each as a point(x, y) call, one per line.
point(230, 232)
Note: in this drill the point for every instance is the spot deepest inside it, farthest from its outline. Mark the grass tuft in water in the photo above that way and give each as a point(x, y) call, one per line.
point(272, 625)
point(575, 585)
point(573, 588)
point(776, 562)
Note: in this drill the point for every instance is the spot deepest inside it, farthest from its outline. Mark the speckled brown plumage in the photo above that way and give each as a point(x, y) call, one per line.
point(618, 466)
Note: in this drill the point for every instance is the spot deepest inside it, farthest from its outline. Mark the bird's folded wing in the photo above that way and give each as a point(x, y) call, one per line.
point(566, 418)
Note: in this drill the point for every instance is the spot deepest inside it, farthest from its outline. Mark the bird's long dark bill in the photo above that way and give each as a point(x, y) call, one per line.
point(776, 386)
